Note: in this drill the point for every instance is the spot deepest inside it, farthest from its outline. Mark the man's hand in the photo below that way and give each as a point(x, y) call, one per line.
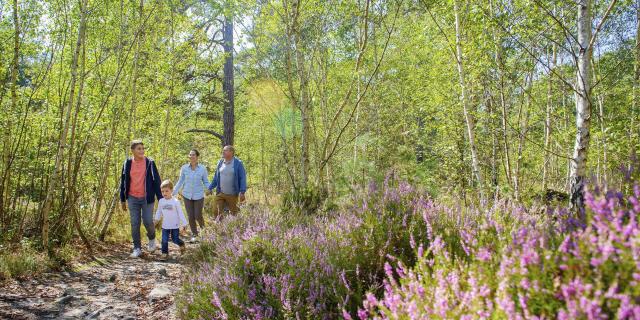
point(156, 222)
point(123, 206)
point(208, 192)
point(241, 196)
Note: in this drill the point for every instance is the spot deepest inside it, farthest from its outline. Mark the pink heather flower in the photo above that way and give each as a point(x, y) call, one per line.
point(484, 254)
point(524, 283)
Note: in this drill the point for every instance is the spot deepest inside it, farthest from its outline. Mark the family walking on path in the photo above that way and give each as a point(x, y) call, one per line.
point(141, 184)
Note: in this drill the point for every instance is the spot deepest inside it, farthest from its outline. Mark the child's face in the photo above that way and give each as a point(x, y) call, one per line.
point(138, 151)
point(166, 193)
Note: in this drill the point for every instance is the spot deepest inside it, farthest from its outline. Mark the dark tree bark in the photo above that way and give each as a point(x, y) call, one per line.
point(228, 116)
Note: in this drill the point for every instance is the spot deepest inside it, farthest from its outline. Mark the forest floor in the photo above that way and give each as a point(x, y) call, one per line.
point(113, 286)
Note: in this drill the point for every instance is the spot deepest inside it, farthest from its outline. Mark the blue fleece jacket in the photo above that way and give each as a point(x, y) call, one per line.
point(240, 183)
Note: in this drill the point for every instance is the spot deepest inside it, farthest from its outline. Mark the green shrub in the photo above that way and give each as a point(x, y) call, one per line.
point(305, 200)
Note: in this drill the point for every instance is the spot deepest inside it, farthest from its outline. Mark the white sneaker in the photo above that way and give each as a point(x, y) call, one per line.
point(152, 246)
point(136, 253)
point(193, 239)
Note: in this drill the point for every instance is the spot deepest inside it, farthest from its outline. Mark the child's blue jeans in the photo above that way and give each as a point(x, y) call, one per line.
point(175, 238)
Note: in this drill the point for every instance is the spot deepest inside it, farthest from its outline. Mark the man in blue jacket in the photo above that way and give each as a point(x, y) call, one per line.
point(230, 181)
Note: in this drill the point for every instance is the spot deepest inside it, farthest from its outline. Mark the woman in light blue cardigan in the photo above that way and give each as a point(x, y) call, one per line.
point(192, 185)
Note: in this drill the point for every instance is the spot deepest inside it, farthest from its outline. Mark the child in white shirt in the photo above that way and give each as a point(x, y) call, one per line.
point(170, 211)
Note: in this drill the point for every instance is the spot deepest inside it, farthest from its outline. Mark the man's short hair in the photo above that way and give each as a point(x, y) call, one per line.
point(229, 147)
point(136, 143)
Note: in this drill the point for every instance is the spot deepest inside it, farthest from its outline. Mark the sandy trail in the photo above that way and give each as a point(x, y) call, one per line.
point(116, 287)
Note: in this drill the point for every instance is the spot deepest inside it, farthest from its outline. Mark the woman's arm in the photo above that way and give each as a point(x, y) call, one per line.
point(205, 177)
point(180, 183)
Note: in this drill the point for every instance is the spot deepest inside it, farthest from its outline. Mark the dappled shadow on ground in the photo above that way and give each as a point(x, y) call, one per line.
point(113, 287)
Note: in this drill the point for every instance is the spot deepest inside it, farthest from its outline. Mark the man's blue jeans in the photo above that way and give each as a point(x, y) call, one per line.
point(175, 237)
point(139, 210)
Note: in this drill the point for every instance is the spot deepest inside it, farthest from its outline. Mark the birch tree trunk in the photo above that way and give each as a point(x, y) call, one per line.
point(167, 117)
point(464, 97)
point(583, 107)
point(62, 144)
point(7, 145)
point(304, 103)
point(134, 80)
point(547, 123)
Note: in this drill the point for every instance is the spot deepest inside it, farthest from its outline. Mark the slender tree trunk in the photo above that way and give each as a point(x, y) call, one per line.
point(304, 103)
point(167, 118)
point(7, 145)
point(603, 137)
point(76, 112)
point(105, 169)
point(523, 121)
point(504, 107)
point(228, 81)
point(494, 144)
point(134, 81)
point(633, 132)
point(547, 123)
point(108, 215)
point(583, 106)
point(464, 97)
point(113, 131)
point(62, 144)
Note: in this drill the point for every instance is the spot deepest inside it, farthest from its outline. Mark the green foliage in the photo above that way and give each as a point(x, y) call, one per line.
point(306, 200)
point(22, 263)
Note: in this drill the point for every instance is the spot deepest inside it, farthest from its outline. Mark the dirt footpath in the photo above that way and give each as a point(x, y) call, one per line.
point(115, 287)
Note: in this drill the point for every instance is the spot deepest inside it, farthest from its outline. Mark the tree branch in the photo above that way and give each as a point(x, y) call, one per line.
point(599, 27)
point(211, 132)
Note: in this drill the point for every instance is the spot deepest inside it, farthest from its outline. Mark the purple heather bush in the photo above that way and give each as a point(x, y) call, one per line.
point(263, 264)
point(521, 266)
point(398, 254)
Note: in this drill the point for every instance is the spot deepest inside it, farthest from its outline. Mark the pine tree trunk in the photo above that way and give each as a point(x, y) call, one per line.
point(228, 81)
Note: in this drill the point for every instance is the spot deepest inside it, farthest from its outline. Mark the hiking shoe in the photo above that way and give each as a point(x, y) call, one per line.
point(164, 257)
point(193, 239)
point(152, 246)
point(136, 253)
